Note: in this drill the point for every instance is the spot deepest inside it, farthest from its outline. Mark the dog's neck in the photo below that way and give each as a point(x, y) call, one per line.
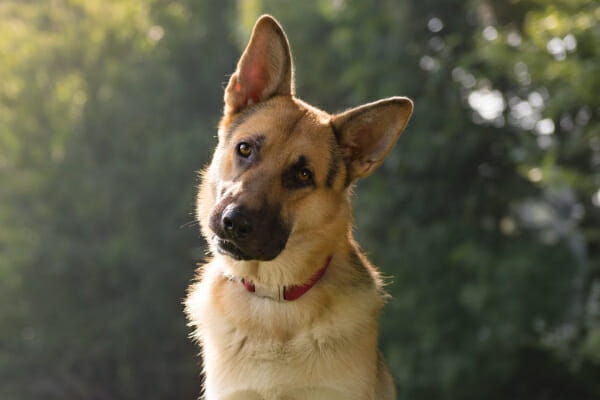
point(283, 293)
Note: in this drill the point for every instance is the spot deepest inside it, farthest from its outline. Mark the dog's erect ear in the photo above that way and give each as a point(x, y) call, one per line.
point(264, 69)
point(368, 133)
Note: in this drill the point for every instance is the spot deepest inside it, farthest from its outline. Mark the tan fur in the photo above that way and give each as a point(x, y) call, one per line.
point(324, 344)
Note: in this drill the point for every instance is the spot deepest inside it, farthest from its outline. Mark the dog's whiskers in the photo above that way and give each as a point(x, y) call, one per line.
point(189, 224)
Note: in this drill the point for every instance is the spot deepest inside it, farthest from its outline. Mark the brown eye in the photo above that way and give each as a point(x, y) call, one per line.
point(298, 175)
point(244, 149)
point(304, 175)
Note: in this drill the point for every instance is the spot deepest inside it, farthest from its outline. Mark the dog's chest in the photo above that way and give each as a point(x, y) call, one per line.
point(301, 367)
point(272, 334)
point(283, 351)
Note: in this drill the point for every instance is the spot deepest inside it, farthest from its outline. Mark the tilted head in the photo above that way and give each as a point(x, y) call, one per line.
point(282, 168)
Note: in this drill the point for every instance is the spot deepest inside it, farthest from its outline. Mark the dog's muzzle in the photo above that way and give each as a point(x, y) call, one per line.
point(248, 234)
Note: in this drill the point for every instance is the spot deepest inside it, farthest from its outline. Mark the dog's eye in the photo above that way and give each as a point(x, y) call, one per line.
point(304, 175)
point(298, 175)
point(244, 149)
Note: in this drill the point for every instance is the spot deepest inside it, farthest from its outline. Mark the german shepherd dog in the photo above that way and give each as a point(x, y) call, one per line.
point(288, 306)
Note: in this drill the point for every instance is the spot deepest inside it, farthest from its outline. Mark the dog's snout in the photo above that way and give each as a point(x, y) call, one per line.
point(236, 223)
point(246, 233)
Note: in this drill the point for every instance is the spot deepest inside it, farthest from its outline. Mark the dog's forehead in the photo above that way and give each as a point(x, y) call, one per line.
point(282, 123)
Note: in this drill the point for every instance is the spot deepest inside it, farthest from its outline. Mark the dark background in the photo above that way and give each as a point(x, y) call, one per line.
point(486, 215)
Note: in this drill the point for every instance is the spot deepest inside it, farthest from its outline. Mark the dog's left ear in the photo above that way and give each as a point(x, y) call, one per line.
point(264, 69)
point(367, 134)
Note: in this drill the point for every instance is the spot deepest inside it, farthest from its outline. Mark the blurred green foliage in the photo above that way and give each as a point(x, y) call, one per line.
point(487, 215)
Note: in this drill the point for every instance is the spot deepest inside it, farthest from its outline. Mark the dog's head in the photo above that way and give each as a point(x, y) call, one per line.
point(282, 169)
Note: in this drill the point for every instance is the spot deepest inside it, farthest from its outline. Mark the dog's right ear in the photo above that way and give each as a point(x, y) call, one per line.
point(264, 69)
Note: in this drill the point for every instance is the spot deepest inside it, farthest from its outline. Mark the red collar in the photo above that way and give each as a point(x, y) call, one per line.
point(287, 293)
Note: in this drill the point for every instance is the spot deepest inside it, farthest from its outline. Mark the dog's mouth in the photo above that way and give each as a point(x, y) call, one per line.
point(228, 248)
point(246, 253)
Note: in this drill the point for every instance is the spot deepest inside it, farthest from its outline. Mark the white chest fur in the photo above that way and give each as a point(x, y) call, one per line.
point(258, 348)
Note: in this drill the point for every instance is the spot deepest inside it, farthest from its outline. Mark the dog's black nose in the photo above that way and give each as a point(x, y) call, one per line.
point(235, 223)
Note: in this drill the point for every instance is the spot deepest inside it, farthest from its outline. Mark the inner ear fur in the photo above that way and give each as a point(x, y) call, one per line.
point(366, 134)
point(264, 70)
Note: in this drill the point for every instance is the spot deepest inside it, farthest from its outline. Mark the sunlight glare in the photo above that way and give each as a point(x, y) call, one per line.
point(545, 126)
point(156, 33)
point(490, 33)
point(489, 104)
point(596, 198)
point(435, 25)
